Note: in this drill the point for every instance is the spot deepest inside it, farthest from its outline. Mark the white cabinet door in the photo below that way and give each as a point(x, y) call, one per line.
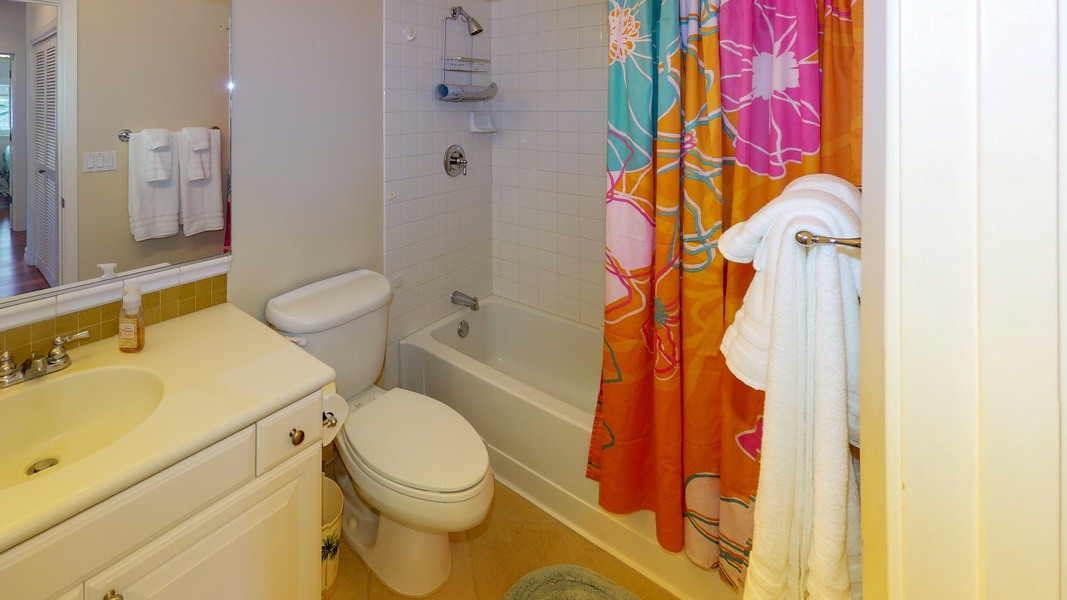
point(259, 543)
point(75, 594)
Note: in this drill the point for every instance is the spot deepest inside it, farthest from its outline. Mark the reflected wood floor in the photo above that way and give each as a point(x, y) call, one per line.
point(16, 277)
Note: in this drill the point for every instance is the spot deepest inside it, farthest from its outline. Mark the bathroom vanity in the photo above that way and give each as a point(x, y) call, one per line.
point(214, 494)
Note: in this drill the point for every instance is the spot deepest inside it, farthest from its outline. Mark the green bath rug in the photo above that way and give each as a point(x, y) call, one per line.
point(566, 582)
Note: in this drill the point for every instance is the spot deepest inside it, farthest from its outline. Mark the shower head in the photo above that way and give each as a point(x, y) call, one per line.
point(473, 26)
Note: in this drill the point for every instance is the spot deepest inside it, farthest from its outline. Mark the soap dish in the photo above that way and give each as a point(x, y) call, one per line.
point(482, 122)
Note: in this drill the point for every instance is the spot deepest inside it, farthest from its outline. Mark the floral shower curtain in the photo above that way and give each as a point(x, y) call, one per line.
point(713, 108)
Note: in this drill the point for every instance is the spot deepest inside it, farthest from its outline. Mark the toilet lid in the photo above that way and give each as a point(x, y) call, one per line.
point(418, 442)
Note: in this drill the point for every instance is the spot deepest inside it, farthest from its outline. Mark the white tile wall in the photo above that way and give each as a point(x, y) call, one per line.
point(438, 229)
point(550, 60)
point(527, 222)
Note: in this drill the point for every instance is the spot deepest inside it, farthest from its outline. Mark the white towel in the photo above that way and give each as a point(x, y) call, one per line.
point(850, 195)
point(195, 153)
point(158, 157)
point(201, 200)
point(153, 206)
point(805, 539)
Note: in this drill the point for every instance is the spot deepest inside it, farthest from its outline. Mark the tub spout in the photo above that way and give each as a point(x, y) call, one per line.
point(464, 300)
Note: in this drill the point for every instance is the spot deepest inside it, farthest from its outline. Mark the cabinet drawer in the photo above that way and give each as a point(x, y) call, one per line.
point(278, 434)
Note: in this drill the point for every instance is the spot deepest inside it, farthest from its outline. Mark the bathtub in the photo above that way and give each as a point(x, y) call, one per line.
point(527, 381)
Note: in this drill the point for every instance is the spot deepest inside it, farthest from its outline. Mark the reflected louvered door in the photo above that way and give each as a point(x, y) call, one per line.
point(45, 243)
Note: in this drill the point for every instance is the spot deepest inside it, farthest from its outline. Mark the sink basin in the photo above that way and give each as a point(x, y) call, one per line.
point(59, 419)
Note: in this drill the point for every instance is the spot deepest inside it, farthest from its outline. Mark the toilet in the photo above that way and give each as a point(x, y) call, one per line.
point(413, 469)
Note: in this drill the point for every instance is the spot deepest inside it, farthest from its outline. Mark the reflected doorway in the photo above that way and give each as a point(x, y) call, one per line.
point(16, 277)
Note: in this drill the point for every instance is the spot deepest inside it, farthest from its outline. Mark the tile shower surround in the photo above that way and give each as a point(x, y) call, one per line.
point(527, 222)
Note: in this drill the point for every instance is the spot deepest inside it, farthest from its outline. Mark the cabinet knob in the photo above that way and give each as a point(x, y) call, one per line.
point(112, 595)
point(297, 435)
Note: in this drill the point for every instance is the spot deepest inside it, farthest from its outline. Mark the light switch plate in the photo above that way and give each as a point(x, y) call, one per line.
point(95, 162)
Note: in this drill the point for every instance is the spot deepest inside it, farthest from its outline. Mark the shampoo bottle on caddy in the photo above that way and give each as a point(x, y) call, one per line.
point(131, 320)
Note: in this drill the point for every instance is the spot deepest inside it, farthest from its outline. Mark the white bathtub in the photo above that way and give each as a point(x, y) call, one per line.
point(527, 381)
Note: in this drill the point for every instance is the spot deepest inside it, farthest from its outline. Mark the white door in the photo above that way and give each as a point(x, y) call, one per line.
point(43, 247)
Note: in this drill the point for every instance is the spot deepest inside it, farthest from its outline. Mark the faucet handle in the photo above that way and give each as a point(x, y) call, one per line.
point(63, 339)
point(7, 364)
point(59, 351)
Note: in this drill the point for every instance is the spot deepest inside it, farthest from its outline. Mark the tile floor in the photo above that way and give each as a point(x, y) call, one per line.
point(516, 538)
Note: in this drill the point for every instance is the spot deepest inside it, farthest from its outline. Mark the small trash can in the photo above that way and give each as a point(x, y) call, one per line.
point(332, 508)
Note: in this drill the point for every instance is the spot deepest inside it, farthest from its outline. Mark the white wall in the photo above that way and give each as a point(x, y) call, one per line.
point(549, 160)
point(961, 428)
point(307, 135)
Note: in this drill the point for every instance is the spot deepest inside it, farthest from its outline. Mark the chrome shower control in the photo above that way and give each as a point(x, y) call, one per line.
point(455, 161)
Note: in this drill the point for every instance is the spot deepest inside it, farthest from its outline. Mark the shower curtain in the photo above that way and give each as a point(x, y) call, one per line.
point(713, 108)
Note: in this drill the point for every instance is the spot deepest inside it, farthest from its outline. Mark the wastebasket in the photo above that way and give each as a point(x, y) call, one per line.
point(332, 507)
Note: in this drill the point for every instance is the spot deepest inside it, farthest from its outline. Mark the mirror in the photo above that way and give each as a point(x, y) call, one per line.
point(121, 64)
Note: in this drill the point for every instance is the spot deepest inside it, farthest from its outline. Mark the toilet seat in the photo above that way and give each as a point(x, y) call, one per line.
point(417, 446)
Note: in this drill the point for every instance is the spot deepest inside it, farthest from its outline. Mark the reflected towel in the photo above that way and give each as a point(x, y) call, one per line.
point(194, 153)
point(153, 205)
point(201, 199)
point(157, 154)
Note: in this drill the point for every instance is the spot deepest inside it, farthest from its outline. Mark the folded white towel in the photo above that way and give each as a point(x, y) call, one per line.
point(201, 199)
point(795, 319)
point(199, 136)
point(153, 205)
point(157, 154)
point(194, 147)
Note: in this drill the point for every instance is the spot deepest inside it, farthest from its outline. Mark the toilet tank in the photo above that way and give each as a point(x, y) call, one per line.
point(345, 321)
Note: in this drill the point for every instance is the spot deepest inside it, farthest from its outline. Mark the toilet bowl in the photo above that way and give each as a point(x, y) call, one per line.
point(403, 494)
point(412, 469)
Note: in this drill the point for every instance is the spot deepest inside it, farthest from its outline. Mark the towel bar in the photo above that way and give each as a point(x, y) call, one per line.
point(808, 239)
point(124, 134)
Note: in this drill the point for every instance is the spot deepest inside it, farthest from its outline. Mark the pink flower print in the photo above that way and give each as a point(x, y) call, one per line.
point(770, 82)
point(751, 441)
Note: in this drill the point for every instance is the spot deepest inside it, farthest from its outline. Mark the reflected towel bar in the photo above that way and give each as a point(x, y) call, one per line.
point(124, 134)
point(807, 238)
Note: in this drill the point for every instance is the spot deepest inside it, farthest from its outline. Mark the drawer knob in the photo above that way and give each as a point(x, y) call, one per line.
point(297, 435)
point(112, 595)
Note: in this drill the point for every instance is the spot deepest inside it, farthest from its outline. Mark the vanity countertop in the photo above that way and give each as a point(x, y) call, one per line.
point(222, 370)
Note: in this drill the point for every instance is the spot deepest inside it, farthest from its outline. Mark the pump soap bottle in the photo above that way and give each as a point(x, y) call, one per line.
point(131, 320)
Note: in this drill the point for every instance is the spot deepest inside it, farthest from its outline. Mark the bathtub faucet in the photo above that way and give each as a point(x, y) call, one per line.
point(464, 300)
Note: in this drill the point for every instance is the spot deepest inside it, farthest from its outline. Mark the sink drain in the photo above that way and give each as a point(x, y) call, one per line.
point(41, 465)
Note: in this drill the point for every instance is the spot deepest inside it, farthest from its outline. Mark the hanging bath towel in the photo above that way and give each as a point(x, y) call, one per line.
point(201, 180)
point(153, 205)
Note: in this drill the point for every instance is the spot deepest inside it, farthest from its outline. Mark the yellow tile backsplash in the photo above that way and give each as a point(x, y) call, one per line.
point(103, 321)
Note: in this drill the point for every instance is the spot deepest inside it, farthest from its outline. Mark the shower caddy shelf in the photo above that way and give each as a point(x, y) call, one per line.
point(464, 64)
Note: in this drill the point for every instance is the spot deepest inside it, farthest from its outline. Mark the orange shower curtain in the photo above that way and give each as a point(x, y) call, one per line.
point(712, 110)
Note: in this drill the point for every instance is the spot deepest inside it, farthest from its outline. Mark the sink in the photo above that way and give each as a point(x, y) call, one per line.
point(59, 419)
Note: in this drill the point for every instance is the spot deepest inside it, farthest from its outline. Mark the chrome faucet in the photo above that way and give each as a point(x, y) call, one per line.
point(37, 366)
point(464, 300)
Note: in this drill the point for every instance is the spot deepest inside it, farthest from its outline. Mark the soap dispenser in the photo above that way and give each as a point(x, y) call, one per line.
point(131, 320)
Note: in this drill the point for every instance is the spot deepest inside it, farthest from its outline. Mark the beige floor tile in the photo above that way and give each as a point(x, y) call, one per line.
point(352, 576)
point(589, 555)
point(504, 551)
point(509, 506)
point(516, 538)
